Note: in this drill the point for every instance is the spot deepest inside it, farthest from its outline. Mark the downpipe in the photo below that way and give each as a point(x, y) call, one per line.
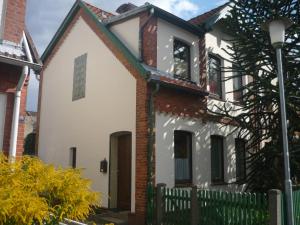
point(17, 103)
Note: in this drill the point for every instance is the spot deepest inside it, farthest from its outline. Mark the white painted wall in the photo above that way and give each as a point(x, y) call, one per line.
point(1, 15)
point(165, 170)
point(166, 33)
point(109, 106)
point(128, 33)
point(2, 117)
point(216, 41)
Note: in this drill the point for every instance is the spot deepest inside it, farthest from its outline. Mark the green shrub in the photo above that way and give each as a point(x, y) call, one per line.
point(32, 192)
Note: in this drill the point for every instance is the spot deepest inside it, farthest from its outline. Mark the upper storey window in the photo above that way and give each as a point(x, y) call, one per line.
point(182, 60)
point(215, 76)
point(237, 85)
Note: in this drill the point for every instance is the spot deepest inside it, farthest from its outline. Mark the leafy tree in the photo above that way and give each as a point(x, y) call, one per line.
point(34, 193)
point(29, 144)
point(254, 57)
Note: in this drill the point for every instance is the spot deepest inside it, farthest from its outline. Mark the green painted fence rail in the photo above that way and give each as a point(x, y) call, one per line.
point(231, 208)
point(177, 208)
point(214, 207)
point(296, 203)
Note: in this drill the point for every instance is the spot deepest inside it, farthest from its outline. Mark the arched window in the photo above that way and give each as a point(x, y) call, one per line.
point(183, 157)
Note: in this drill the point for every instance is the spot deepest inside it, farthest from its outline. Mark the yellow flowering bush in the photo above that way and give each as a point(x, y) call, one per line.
point(32, 192)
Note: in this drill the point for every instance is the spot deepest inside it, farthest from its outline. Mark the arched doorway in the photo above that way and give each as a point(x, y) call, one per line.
point(120, 170)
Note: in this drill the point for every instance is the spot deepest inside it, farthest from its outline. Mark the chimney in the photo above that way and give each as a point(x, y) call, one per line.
point(125, 8)
point(13, 20)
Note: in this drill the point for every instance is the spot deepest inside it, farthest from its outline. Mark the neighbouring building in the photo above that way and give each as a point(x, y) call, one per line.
point(30, 122)
point(125, 97)
point(17, 56)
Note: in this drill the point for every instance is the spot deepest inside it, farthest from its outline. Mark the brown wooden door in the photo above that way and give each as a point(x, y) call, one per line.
point(124, 172)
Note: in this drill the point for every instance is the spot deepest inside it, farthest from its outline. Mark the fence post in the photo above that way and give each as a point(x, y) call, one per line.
point(194, 206)
point(159, 203)
point(275, 207)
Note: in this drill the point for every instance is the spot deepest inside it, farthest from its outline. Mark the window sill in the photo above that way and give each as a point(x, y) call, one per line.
point(215, 97)
point(219, 183)
point(184, 79)
point(184, 185)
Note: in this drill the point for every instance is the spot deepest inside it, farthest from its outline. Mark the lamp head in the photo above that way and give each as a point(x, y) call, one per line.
point(277, 28)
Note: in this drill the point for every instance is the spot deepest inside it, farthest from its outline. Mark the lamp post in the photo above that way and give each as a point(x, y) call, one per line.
point(277, 29)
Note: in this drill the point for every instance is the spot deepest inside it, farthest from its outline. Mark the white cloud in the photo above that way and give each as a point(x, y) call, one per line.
point(181, 8)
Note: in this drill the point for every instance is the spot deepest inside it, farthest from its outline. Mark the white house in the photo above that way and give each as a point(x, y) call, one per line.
point(130, 91)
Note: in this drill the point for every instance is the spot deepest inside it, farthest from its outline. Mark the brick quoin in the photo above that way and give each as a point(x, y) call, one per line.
point(203, 63)
point(149, 39)
point(14, 20)
point(9, 77)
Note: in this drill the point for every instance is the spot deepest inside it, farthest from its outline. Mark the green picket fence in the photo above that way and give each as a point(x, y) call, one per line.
point(296, 198)
point(229, 208)
point(215, 207)
point(296, 204)
point(177, 208)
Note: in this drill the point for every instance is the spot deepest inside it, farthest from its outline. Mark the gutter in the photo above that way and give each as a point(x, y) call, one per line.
point(19, 62)
point(16, 112)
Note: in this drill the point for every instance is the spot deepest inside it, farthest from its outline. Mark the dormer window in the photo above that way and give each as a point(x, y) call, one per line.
point(182, 60)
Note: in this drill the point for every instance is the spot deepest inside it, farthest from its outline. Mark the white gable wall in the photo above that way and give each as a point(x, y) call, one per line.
point(128, 33)
point(109, 106)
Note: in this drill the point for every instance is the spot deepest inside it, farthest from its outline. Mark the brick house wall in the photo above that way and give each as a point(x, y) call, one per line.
point(9, 76)
point(14, 21)
point(14, 25)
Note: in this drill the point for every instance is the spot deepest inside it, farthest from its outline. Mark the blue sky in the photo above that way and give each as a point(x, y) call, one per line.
point(44, 17)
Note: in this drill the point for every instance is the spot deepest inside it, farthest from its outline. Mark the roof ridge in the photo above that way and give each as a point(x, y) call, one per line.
point(204, 16)
point(100, 13)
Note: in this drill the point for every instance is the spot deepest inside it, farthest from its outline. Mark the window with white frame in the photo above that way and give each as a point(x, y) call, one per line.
point(215, 76)
point(217, 159)
point(183, 157)
point(237, 85)
point(240, 151)
point(182, 60)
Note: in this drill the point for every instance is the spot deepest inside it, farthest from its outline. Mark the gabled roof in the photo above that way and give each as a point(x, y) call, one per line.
point(15, 54)
point(169, 17)
point(100, 13)
point(96, 16)
point(208, 19)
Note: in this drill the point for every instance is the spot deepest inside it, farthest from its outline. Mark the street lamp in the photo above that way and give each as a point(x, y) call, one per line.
point(277, 29)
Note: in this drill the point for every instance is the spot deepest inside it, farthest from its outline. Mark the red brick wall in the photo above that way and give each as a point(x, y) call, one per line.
point(149, 39)
point(179, 103)
point(9, 76)
point(203, 63)
point(14, 20)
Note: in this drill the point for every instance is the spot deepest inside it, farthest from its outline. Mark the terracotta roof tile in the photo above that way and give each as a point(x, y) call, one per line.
point(203, 17)
point(100, 13)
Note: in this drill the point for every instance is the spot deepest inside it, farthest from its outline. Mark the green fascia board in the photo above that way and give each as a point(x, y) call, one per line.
point(61, 30)
point(115, 40)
